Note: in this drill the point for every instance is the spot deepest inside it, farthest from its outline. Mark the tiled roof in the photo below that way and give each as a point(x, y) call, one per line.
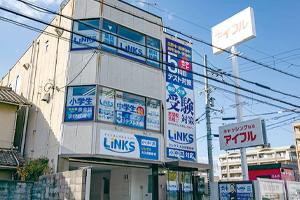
point(11, 158)
point(7, 95)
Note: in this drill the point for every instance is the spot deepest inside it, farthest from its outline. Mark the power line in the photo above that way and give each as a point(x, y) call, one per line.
point(212, 32)
point(165, 63)
point(95, 28)
point(198, 40)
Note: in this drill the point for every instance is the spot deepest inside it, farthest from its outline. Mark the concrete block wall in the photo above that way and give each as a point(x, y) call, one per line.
point(15, 190)
point(65, 185)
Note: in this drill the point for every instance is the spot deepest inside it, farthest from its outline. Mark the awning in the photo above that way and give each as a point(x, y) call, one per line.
point(180, 165)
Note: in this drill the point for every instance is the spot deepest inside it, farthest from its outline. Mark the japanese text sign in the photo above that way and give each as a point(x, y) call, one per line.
point(180, 126)
point(271, 189)
point(244, 134)
point(236, 191)
point(293, 190)
point(128, 145)
point(234, 31)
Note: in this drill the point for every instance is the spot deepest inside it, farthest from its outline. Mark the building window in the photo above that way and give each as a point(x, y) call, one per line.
point(87, 36)
point(106, 104)
point(17, 87)
point(153, 46)
point(80, 103)
point(130, 110)
point(47, 46)
point(153, 114)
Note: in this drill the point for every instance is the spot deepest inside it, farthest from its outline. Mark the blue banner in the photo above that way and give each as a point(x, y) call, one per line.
point(79, 113)
point(181, 154)
point(148, 147)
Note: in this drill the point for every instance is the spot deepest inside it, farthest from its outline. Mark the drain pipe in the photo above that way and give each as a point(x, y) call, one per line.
point(34, 43)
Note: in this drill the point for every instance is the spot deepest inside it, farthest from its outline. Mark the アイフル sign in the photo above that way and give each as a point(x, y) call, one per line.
point(244, 134)
point(234, 31)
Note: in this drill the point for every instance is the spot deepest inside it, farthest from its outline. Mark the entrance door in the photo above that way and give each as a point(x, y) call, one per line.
point(179, 186)
point(106, 188)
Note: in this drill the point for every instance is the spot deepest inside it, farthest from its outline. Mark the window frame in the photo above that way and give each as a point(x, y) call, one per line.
point(96, 108)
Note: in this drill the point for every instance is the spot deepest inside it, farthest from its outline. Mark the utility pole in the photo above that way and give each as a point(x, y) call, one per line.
point(239, 110)
point(208, 125)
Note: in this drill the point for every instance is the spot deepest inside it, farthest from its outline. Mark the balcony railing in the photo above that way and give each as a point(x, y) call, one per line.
point(297, 135)
point(235, 170)
point(224, 171)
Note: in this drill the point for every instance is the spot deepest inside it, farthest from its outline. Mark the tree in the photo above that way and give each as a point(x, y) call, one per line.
point(32, 170)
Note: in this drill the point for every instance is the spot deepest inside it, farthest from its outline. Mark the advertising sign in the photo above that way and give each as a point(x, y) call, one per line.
point(287, 174)
point(187, 187)
point(80, 108)
point(181, 136)
point(129, 112)
point(172, 186)
point(293, 190)
point(234, 31)
point(243, 134)
point(153, 118)
point(92, 35)
point(106, 106)
point(135, 51)
point(271, 189)
point(236, 191)
point(128, 145)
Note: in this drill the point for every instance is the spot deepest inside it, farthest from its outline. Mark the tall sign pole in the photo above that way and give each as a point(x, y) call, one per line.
point(208, 124)
point(239, 110)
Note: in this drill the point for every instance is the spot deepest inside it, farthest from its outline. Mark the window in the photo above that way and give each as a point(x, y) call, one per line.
point(130, 110)
point(80, 103)
point(108, 38)
point(153, 54)
point(133, 46)
point(106, 104)
point(153, 114)
point(47, 46)
point(17, 87)
point(113, 106)
point(88, 28)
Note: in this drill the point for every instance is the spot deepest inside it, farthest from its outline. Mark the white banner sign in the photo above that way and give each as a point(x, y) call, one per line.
point(293, 190)
point(234, 31)
point(271, 189)
point(244, 134)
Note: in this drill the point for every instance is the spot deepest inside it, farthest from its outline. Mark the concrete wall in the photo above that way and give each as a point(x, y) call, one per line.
point(7, 120)
point(16, 190)
point(43, 130)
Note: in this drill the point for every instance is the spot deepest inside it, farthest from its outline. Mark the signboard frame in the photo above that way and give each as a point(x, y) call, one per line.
point(237, 182)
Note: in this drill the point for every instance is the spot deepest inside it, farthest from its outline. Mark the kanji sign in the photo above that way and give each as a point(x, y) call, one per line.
point(180, 120)
point(271, 189)
point(244, 134)
point(234, 31)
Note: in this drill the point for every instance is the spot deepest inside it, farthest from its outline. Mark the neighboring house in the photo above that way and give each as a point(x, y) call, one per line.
point(230, 164)
point(102, 99)
point(10, 105)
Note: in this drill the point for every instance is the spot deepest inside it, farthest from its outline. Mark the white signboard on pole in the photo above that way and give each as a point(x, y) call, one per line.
point(293, 190)
point(271, 189)
point(244, 134)
point(234, 31)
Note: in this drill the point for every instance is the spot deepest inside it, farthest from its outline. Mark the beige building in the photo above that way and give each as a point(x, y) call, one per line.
point(296, 128)
point(230, 164)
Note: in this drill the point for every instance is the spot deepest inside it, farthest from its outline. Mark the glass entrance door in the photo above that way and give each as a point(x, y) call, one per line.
point(179, 186)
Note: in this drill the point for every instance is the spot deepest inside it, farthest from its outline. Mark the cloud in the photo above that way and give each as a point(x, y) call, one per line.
point(24, 9)
point(170, 16)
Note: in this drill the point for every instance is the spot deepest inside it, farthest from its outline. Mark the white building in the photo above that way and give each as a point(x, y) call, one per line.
point(230, 164)
point(105, 101)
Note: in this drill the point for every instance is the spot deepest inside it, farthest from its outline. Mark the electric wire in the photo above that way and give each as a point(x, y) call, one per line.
point(198, 40)
point(173, 66)
point(215, 71)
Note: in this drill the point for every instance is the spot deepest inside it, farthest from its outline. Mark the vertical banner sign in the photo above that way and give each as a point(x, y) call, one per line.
point(181, 135)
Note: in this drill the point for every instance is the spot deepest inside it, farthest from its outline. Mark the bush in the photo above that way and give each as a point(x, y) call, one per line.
point(32, 170)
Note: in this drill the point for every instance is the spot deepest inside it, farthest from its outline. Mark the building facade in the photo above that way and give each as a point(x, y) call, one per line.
point(296, 129)
point(113, 92)
point(230, 164)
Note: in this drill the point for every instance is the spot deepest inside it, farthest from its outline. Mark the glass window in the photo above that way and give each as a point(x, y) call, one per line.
point(153, 114)
point(106, 104)
point(88, 28)
point(153, 52)
point(108, 38)
point(129, 45)
point(17, 87)
point(130, 110)
point(80, 103)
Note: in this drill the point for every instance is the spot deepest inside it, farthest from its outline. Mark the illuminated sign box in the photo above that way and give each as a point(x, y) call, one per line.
point(233, 31)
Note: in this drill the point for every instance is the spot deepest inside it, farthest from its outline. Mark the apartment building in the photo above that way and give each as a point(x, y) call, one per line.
point(296, 129)
point(230, 164)
point(104, 98)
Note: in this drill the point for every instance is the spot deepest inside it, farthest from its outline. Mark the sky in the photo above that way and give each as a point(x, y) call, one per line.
point(277, 45)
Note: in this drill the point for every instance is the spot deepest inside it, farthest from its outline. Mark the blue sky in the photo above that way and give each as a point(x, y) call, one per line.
point(277, 44)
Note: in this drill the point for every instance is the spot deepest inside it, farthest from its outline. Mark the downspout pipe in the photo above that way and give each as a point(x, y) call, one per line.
point(34, 43)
